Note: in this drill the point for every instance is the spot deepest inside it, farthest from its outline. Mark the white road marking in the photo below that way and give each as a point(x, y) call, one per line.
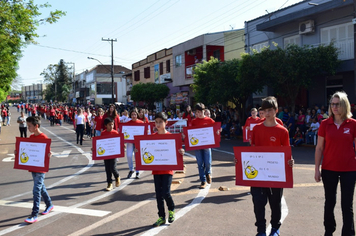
point(10, 158)
point(111, 218)
point(64, 154)
point(68, 128)
point(284, 203)
point(196, 201)
point(72, 210)
point(87, 155)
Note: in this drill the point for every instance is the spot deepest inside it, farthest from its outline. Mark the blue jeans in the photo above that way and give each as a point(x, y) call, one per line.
point(130, 147)
point(203, 157)
point(97, 132)
point(39, 189)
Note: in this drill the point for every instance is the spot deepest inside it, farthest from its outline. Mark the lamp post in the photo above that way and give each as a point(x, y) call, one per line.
point(112, 78)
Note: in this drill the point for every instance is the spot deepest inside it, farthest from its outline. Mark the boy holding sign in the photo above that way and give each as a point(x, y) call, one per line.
point(163, 179)
point(110, 164)
point(269, 133)
point(39, 188)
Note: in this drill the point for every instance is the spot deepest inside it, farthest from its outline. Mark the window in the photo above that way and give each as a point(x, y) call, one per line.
point(161, 68)
point(343, 37)
point(178, 60)
point(137, 75)
point(260, 46)
point(147, 72)
point(104, 88)
point(216, 54)
point(292, 40)
point(168, 66)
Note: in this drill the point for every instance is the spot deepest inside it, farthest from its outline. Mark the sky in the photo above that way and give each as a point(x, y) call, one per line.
point(141, 27)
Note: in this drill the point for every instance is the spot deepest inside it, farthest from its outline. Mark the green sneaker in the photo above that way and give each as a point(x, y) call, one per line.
point(159, 222)
point(171, 216)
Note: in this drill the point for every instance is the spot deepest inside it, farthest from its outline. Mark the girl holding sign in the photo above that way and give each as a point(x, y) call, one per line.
point(110, 164)
point(203, 156)
point(163, 179)
point(130, 147)
point(336, 138)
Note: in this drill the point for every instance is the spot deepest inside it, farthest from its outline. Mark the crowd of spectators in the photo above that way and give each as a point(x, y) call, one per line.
point(302, 125)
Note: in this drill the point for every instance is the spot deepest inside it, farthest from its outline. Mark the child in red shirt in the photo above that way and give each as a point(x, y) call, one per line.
point(203, 156)
point(163, 179)
point(110, 164)
point(269, 133)
point(39, 188)
point(251, 122)
point(130, 147)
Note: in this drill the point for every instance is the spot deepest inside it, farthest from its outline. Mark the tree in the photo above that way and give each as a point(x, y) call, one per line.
point(289, 70)
point(58, 77)
point(18, 24)
point(149, 92)
point(216, 81)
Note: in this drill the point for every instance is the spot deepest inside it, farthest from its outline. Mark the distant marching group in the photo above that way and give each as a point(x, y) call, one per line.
point(334, 155)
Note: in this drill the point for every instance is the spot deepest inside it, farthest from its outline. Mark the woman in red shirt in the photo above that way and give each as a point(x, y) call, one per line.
point(141, 115)
point(52, 113)
point(336, 138)
point(188, 115)
point(130, 147)
point(98, 122)
point(112, 113)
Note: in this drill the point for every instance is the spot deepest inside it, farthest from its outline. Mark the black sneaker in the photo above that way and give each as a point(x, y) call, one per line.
point(130, 174)
point(137, 175)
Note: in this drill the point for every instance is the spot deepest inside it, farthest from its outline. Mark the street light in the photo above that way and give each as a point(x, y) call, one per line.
point(112, 78)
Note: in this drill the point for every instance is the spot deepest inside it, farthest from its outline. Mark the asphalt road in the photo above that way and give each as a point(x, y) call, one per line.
point(77, 184)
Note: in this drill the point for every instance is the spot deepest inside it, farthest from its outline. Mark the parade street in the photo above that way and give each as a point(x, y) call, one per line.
point(77, 184)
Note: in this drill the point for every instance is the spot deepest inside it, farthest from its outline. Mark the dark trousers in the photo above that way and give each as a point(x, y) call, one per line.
point(23, 132)
point(110, 169)
point(80, 133)
point(347, 186)
point(87, 129)
point(51, 118)
point(163, 192)
point(260, 196)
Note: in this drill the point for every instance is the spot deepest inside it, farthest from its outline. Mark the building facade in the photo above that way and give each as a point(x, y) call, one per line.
point(33, 93)
point(155, 68)
point(95, 86)
point(309, 23)
point(186, 56)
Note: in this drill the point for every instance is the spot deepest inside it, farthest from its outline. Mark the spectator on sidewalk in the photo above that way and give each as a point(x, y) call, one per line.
point(22, 125)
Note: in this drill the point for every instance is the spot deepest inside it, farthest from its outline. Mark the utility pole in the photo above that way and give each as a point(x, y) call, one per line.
point(112, 67)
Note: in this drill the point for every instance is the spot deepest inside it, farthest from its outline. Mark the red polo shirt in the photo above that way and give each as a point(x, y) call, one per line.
point(270, 136)
point(202, 121)
point(339, 153)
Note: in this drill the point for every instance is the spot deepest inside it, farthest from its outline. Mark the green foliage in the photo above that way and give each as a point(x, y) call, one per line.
point(149, 92)
point(58, 78)
point(18, 24)
point(216, 81)
point(289, 70)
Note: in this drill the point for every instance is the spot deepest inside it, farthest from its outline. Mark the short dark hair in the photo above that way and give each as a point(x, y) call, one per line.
point(34, 120)
point(108, 120)
point(269, 102)
point(161, 115)
point(200, 107)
